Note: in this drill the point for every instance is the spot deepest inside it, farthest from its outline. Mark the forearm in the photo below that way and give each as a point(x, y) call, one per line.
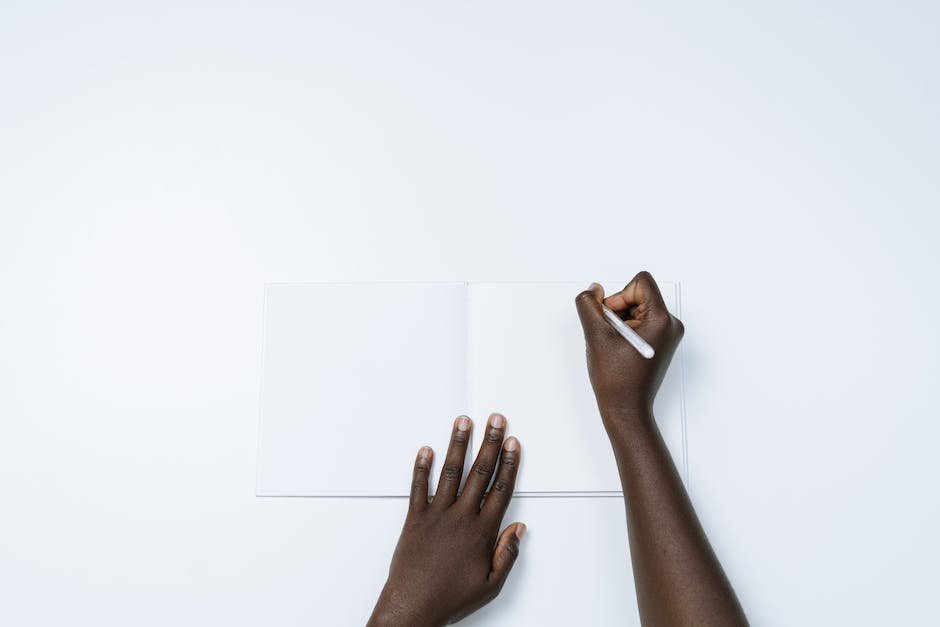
point(679, 581)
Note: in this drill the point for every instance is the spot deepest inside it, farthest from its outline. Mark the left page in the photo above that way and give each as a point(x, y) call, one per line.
point(355, 379)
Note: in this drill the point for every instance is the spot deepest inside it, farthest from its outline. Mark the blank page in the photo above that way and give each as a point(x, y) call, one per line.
point(527, 361)
point(355, 378)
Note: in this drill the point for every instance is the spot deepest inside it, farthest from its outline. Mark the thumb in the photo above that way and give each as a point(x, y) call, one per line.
point(642, 293)
point(506, 552)
point(588, 303)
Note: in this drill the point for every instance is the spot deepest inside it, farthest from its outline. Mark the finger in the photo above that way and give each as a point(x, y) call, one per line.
point(482, 470)
point(639, 298)
point(501, 491)
point(597, 289)
point(506, 552)
point(588, 303)
point(419, 479)
point(452, 470)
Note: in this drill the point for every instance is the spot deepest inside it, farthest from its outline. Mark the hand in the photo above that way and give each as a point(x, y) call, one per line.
point(678, 579)
point(451, 559)
point(625, 383)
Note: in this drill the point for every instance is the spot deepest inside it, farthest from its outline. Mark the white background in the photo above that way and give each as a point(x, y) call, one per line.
point(159, 162)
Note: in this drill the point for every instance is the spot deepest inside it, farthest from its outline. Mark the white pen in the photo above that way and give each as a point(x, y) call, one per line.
point(628, 334)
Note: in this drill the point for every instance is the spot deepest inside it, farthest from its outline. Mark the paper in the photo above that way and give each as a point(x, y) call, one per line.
point(356, 377)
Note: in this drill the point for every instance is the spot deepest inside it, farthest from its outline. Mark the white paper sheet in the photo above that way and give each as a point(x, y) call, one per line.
point(356, 377)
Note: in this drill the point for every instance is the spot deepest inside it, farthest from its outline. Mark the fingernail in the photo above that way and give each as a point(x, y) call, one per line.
point(592, 286)
point(463, 423)
point(424, 453)
point(520, 531)
point(512, 444)
point(497, 421)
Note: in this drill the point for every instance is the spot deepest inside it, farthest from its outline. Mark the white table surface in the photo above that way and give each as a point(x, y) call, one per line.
point(160, 163)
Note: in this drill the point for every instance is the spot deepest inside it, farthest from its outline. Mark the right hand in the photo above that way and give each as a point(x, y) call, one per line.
point(625, 383)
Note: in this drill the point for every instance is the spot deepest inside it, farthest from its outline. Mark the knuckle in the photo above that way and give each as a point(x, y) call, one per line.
point(659, 314)
point(501, 486)
point(584, 297)
point(451, 471)
point(483, 468)
point(680, 328)
point(461, 437)
point(512, 548)
point(494, 436)
point(418, 486)
point(509, 460)
point(422, 468)
point(660, 319)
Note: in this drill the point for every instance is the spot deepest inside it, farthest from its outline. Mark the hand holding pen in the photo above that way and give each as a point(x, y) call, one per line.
point(626, 374)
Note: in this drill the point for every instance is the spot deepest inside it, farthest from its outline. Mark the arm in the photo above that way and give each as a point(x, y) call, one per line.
point(451, 559)
point(678, 578)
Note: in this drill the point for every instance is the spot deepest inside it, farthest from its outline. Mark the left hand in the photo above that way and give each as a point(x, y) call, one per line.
point(451, 559)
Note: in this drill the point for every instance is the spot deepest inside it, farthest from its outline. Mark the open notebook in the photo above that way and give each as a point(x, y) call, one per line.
point(357, 377)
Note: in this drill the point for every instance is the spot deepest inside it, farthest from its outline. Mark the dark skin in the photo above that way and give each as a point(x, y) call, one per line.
point(451, 559)
point(678, 578)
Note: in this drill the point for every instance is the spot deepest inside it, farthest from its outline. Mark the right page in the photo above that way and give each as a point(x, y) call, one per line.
point(526, 360)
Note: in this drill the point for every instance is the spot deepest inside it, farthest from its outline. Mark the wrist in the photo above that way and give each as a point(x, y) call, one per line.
point(630, 430)
point(392, 617)
point(396, 610)
point(382, 618)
